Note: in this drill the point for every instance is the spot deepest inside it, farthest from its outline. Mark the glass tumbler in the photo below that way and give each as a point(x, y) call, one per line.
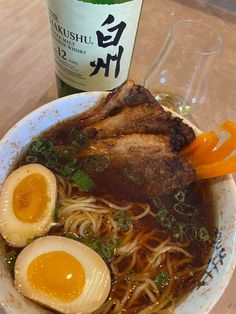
point(179, 76)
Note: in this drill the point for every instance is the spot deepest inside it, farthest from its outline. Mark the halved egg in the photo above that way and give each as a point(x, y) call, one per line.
point(27, 203)
point(62, 274)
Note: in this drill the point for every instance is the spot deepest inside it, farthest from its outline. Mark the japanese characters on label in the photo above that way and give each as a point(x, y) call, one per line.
point(106, 41)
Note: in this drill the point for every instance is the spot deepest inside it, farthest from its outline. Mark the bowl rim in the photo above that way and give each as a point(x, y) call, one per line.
point(232, 263)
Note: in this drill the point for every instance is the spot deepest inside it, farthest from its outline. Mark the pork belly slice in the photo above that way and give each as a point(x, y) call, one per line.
point(143, 118)
point(128, 146)
point(163, 173)
point(147, 160)
point(129, 94)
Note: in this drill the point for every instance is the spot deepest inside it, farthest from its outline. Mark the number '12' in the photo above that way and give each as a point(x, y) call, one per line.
point(62, 53)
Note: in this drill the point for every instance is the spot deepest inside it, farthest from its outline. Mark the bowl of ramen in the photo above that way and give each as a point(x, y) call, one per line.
point(100, 213)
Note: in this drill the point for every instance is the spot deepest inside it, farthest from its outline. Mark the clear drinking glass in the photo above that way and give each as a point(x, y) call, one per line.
point(179, 76)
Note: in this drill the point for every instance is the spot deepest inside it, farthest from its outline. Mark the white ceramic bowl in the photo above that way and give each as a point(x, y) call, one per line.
point(222, 264)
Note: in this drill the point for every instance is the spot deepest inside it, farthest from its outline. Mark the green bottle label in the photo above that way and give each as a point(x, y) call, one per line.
point(93, 44)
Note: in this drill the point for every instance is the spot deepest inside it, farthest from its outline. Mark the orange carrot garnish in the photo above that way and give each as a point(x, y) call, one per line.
point(208, 160)
point(216, 169)
point(200, 140)
point(225, 149)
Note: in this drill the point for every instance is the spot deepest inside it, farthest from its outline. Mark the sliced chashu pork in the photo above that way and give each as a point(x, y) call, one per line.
point(148, 159)
point(128, 146)
point(129, 94)
point(144, 119)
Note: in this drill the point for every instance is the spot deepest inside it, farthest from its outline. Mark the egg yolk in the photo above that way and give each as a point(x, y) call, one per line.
point(57, 274)
point(30, 198)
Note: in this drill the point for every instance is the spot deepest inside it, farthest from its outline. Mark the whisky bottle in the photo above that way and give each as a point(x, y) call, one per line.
point(92, 42)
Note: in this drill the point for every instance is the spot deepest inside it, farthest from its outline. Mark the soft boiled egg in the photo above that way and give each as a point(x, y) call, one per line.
point(62, 274)
point(27, 203)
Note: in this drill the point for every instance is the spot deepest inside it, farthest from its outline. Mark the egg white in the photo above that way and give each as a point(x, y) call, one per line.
point(97, 276)
point(14, 231)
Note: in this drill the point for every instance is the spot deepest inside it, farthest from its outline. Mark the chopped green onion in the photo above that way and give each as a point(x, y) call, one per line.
point(10, 259)
point(161, 279)
point(186, 209)
point(78, 137)
point(130, 277)
point(83, 180)
point(179, 233)
point(39, 145)
point(158, 203)
point(180, 196)
point(95, 163)
point(66, 152)
point(203, 234)
point(106, 251)
point(104, 247)
point(51, 160)
point(132, 177)
point(69, 168)
point(56, 212)
point(43, 151)
point(123, 220)
point(188, 232)
point(166, 220)
point(162, 214)
point(31, 159)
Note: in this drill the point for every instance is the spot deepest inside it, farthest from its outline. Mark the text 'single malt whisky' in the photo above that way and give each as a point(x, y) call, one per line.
point(92, 42)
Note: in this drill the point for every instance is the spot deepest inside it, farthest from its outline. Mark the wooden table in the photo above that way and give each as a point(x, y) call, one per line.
point(27, 70)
